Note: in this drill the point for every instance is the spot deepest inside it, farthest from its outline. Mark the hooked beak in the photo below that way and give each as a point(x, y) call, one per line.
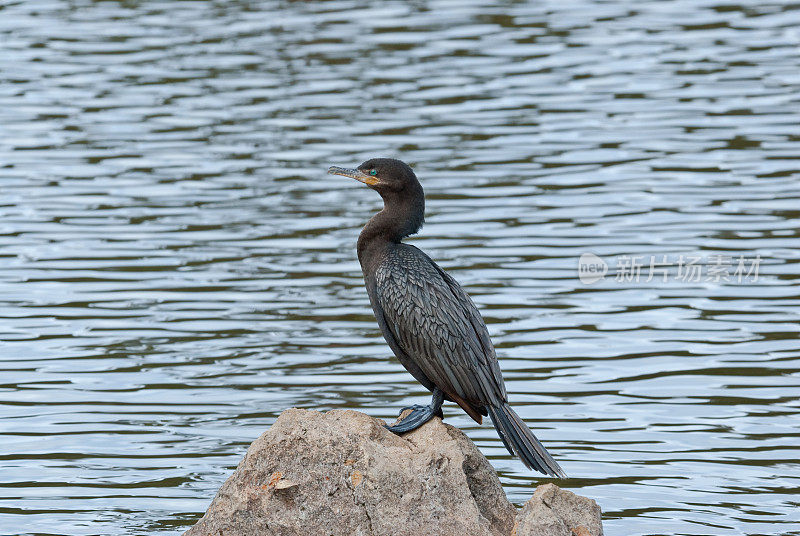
point(356, 174)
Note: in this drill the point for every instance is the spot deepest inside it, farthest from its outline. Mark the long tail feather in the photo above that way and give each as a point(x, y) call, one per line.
point(520, 441)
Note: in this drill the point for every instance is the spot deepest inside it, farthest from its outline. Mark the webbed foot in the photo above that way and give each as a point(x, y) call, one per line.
point(419, 415)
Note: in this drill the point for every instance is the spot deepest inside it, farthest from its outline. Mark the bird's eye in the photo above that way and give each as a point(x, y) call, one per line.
point(373, 172)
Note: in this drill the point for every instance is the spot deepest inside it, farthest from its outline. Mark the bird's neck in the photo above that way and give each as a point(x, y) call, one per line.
point(400, 217)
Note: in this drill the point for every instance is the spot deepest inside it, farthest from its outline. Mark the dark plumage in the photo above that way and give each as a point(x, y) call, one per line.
point(428, 320)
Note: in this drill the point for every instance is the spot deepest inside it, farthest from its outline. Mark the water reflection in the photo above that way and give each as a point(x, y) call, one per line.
point(176, 268)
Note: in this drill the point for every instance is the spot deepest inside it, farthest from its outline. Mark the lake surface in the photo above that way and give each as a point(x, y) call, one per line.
point(176, 268)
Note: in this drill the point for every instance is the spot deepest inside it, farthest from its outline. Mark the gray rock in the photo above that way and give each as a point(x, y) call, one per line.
point(553, 511)
point(342, 472)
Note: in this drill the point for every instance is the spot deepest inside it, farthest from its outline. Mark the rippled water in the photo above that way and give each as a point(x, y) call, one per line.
point(176, 268)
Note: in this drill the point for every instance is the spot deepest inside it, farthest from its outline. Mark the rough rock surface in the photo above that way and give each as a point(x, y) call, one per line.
point(343, 473)
point(553, 511)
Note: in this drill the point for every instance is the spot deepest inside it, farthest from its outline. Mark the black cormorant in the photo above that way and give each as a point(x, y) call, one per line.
point(428, 320)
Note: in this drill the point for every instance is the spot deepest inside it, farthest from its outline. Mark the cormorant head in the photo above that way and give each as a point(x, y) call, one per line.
point(403, 200)
point(387, 176)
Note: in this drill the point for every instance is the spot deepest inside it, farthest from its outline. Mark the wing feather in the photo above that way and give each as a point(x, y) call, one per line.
point(438, 327)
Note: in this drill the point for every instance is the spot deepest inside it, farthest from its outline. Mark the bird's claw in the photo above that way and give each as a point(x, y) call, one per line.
point(418, 416)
